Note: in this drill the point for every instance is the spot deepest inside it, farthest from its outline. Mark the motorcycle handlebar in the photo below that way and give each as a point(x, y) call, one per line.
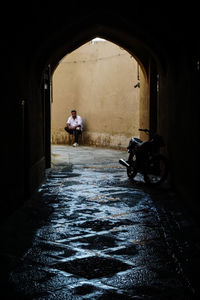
point(145, 130)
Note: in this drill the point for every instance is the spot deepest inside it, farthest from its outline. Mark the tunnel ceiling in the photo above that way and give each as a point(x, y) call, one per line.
point(134, 47)
point(46, 32)
point(109, 26)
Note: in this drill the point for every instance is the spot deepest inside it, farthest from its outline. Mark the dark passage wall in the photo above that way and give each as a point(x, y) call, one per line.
point(34, 37)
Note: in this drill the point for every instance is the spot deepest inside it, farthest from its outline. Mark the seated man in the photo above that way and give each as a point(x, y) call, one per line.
point(74, 126)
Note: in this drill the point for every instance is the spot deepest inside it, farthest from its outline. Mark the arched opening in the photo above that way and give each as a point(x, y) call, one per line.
point(62, 43)
point(147, 59)
point(108, 87)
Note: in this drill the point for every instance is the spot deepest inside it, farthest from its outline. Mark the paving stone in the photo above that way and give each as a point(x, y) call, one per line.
point(90, 233)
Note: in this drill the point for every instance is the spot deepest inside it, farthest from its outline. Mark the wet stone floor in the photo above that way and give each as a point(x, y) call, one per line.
point(90, 233)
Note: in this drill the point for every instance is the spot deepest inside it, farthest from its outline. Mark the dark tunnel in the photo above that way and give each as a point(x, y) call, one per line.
point(34, 39)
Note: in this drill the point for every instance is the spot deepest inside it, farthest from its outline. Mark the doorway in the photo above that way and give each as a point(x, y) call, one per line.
point(109, 89)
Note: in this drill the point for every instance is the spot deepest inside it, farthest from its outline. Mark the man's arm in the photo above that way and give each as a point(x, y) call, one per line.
point(68, 123)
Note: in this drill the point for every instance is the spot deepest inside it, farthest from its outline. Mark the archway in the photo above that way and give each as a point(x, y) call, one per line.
point(147, 59)
point(113, 29)
point(108, 87)
point(42, 37)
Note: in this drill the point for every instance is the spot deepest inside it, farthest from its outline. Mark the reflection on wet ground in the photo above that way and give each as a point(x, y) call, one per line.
point(90, 233)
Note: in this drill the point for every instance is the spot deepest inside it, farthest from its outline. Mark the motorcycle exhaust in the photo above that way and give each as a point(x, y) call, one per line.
point(124, 163)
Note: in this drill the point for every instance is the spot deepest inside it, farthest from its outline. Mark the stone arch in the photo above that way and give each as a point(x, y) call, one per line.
point(112, 28)
point(101, 80)
point(108, 26)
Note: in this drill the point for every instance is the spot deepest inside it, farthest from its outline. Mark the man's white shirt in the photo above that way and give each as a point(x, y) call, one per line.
point(74, 122)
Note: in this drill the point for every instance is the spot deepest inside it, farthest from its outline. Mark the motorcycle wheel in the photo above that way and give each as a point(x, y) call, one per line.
point(132, 170)
point(156, 171)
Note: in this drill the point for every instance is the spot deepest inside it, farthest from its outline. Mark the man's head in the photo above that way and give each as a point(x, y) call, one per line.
point(73, 112)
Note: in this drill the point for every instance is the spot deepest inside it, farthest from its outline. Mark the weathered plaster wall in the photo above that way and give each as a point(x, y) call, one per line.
point(98, 81)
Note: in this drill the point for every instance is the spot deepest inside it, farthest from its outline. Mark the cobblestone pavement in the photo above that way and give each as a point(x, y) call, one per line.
point(90, 233)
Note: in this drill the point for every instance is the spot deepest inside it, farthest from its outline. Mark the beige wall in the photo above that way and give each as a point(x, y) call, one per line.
point(98, 81)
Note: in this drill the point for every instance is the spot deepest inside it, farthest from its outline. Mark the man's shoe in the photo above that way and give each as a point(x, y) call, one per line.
point(75, 144)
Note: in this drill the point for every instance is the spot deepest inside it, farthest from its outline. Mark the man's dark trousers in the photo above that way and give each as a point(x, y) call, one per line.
point(75, 133)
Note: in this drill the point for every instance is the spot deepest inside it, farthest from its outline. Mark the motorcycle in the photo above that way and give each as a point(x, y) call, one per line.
point(145, 158)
